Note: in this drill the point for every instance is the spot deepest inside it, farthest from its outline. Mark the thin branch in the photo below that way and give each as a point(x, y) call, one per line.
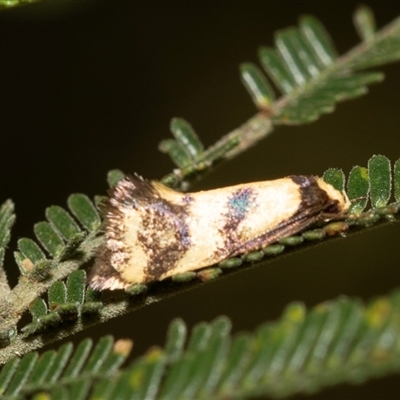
point(251, 132)
point(262, 124)
point(161, 290)
point(15, 303)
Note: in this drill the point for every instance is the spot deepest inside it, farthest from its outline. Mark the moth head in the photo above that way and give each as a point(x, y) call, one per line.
point(340, 199)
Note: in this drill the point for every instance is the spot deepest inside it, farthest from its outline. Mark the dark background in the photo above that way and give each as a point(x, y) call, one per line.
point(90, 86)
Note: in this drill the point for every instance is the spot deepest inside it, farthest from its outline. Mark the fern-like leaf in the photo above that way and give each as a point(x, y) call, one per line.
point(59, 237)
point(66, 303)
point(305, 67)
point(66, 373)
point(45, 264)
point(336, 342)
point(69, 303)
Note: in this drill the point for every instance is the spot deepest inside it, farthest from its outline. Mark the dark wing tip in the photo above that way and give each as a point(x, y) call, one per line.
point(132, 190)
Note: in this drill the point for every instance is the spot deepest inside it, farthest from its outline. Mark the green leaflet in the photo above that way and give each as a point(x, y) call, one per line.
point(71, 372)
point(67, 302)
point(304, 351)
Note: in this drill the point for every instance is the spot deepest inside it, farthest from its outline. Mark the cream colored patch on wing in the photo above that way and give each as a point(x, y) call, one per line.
point(277, 201)
point(205, 223)
point(132, 261)
point(270, 203)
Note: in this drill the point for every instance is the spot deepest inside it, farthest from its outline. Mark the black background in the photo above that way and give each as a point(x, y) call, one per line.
point(90, 86)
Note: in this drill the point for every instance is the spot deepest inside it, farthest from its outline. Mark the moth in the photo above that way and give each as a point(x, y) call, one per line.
point(153, 232)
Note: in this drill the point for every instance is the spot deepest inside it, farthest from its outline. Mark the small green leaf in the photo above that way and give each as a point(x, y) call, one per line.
point(396, 176)
point(129, 382)
point(76, 287)
point(24, 264)
point(358, 189)
point(274, 249)
point(319, 39)
point(57, 294)
point(91, 307)
point(38, 309)
point(335, 177)
point(136, 289)
point(30, 250)
point(308, 334)
point(99, 354)
point(176, 152)
point(176, 337)
point(184, 276)
point(177, 378)
point(306, 55)
point(335, 228)
point(199, 337)
point(153, 368)
point(236, 363)
point(62, 357)
point(286, 41)
point(276, 69)
point(121, 350)
point(114, 176)
point(211, 364)
point(78, 359)
point(49, 238)
point(331, 314)
point(187, 137)
point(68, 311)
point(364, 21)
point(99, 201)
point(253, 256)
point(257, 85)
point(261, 355)
point(350, 321)
point(292, 240)
point(171, 180)
point(21, 374)
point(62, 221)
point(79, 390)
point(84, 211)
point(314, 234)
point(209, 274)
point(126, 383)
point(42, 369)
point(231, 263)
point(380, 179)
point(7, 373)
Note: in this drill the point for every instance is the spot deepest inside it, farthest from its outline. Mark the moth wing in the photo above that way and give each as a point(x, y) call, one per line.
point(297, 223)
